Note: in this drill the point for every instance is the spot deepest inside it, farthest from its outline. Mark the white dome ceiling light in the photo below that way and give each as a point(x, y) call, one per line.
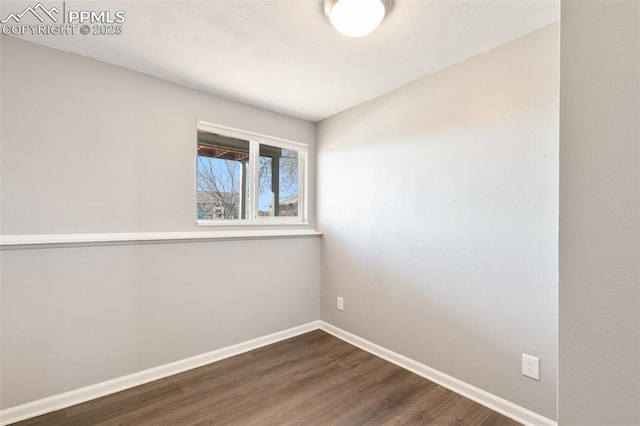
point(355, 18)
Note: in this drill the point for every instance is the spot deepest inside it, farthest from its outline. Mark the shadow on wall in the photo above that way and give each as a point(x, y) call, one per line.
point(445, 316)
point(439, 207)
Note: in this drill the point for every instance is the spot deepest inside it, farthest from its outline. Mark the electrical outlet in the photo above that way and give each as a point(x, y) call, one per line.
point(340, 303)
point(530, 366)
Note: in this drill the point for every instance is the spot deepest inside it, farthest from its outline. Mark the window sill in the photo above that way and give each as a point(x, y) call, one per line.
point(250, 223)
point(44, 240)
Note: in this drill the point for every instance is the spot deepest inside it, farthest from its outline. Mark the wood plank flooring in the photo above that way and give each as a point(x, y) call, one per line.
point(312, 379)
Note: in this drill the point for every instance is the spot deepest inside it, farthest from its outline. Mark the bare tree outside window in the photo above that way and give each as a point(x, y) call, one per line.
point(218, 185)
point(278, 182)
point(222, 179)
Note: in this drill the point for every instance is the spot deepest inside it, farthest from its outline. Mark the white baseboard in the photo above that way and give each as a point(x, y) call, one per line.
point(77, 396)
point(502, 406)
point(67, 399)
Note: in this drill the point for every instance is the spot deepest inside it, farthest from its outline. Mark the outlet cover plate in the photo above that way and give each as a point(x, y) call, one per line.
point(530, 366)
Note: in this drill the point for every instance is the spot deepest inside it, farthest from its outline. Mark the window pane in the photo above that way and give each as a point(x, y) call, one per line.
point(265, 195)
point(221, 177)
point(278, 182)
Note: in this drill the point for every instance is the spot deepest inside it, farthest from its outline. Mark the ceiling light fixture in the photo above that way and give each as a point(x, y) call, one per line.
point(355, 18)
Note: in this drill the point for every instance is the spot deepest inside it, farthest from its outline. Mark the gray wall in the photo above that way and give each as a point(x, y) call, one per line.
point(599, 363)
point(439, 204)
point(88, 148)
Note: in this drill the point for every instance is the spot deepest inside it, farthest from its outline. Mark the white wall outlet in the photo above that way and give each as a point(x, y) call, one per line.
point(530, 366)
point(340, 303)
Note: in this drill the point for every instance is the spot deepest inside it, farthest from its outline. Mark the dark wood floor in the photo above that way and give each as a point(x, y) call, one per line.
point(313, 379)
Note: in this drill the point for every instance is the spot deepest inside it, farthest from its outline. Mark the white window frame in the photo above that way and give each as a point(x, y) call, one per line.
point(255, 139)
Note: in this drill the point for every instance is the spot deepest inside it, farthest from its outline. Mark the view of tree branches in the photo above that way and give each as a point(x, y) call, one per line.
point(221, 179)
point(288, 173)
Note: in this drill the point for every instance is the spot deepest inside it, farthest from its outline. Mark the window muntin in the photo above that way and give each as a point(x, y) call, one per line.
point(244, 178)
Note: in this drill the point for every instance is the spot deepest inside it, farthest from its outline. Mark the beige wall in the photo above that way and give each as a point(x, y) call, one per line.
point(89, 148)
point(439, 204)
point(599, 362)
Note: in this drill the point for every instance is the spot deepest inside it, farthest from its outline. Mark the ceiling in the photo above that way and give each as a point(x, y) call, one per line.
point(283, 56)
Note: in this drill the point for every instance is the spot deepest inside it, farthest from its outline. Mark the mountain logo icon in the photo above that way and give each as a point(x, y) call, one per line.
point(38, 11)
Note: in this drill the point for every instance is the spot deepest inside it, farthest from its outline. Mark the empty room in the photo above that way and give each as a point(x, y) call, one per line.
point(320, 212)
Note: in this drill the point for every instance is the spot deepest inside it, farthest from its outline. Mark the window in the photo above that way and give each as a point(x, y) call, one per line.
point(247, 178)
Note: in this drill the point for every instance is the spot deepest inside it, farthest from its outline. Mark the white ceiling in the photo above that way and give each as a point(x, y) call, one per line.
point(283, 56)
